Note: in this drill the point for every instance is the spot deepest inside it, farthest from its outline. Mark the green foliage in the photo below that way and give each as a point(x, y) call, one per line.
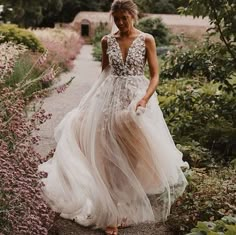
point(156, 6)
point(196, 155)
point(222, 18)
point(20, 36)
point(97, 51)
point(23, 13)
point(209, 196)
point(156, 28)
point(72, 7)
point(27, 14)
point(4, 222)
point(50, 12)
point(21, 68)
point(197, 112)
point(180, 3)
point(46, 13)
point(225, 226)
point(100, 31)
point(203, 61)
point(200, 106)
point(160, 6)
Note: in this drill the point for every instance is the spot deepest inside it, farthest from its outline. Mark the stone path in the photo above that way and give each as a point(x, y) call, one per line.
point(86, 71)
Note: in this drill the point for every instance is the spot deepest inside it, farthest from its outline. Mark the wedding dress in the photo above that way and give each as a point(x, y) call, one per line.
point(109, 158)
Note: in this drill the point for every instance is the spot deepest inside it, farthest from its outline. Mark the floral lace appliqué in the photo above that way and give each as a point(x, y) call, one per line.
point(135, 59)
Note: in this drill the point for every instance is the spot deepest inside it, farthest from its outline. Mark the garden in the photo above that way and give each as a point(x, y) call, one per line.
point(30, 62)
point(196, 94)
point(197, 97)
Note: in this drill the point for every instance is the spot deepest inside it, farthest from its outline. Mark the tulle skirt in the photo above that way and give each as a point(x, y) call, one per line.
point(110, 158)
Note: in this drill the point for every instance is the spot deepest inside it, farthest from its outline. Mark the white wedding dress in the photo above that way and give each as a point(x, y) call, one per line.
point(110, 159)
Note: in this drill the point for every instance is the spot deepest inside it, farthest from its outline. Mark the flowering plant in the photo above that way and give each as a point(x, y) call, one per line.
point(63, 45)
point(22, 208)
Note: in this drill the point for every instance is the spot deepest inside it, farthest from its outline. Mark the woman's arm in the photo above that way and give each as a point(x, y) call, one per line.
point(105, 60)
point(153, 68)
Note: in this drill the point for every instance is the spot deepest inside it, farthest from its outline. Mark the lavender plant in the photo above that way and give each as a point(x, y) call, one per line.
point(22, 208)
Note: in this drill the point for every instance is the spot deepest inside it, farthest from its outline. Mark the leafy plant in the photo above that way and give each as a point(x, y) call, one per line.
point(156, 28)
point(225, 226)
point(204, 61)
point(20, 36)
point(222, 18)
point(22, 207)
point(160, 6)
point(197, 112)
point(100, 31)
point(209, 196)
point(209, 59)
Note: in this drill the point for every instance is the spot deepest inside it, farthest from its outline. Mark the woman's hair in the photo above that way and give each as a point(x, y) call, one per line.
point(125, 5)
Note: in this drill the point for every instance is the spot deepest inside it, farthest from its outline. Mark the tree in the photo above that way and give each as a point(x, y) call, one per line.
point(214, 60)
point(223, 24)
point(160, 6)
point(72, 7)
point(28, 13)
point(50, 12)
point(105, 5)
point(156, 6)
point(156, 28)
point(222, 18)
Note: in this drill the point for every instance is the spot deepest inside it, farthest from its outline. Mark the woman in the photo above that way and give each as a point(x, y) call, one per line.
point(115, 149)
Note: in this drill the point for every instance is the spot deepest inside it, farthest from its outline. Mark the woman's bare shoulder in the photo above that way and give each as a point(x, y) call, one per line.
point(149, 38)
point(104, 41)
point(104, 38)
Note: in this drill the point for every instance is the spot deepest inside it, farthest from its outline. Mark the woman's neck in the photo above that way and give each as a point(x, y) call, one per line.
point(128, 33)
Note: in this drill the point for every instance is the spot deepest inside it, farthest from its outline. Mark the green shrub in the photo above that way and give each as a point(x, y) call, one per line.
point(203, 61)
point(156, 28)
point(209, 196)
point(18, 35)
point(225, 226)
point(97, 51)
point(157, 6)
point(100, 31)
point(198, 111)
point(196, 155)
point(22, 66)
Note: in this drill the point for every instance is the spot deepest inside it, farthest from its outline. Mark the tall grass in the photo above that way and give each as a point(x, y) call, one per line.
point(63, 45)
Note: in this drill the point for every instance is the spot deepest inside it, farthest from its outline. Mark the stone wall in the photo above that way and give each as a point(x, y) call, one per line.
point(194, 27)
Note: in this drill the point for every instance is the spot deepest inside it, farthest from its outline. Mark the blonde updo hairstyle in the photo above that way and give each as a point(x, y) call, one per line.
point(125, 5)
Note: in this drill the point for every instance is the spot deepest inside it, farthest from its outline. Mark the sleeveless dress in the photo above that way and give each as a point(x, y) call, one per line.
point(110, 160)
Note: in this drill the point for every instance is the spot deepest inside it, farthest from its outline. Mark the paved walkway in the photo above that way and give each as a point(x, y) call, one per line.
point(86, 71)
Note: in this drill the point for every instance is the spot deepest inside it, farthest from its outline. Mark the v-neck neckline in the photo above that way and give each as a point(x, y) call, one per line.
point(128, 51)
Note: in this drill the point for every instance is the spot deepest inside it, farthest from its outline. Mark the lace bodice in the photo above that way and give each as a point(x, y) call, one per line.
point(135, 59)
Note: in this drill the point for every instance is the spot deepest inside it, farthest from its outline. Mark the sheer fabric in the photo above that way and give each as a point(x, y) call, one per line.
point(109, 158)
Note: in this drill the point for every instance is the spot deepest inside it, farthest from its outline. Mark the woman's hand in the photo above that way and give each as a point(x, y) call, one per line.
point(141, 103)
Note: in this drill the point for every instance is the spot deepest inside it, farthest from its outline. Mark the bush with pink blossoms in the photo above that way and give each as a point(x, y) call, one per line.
point(22, 208)
point(63, 45)
point(9, 54)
